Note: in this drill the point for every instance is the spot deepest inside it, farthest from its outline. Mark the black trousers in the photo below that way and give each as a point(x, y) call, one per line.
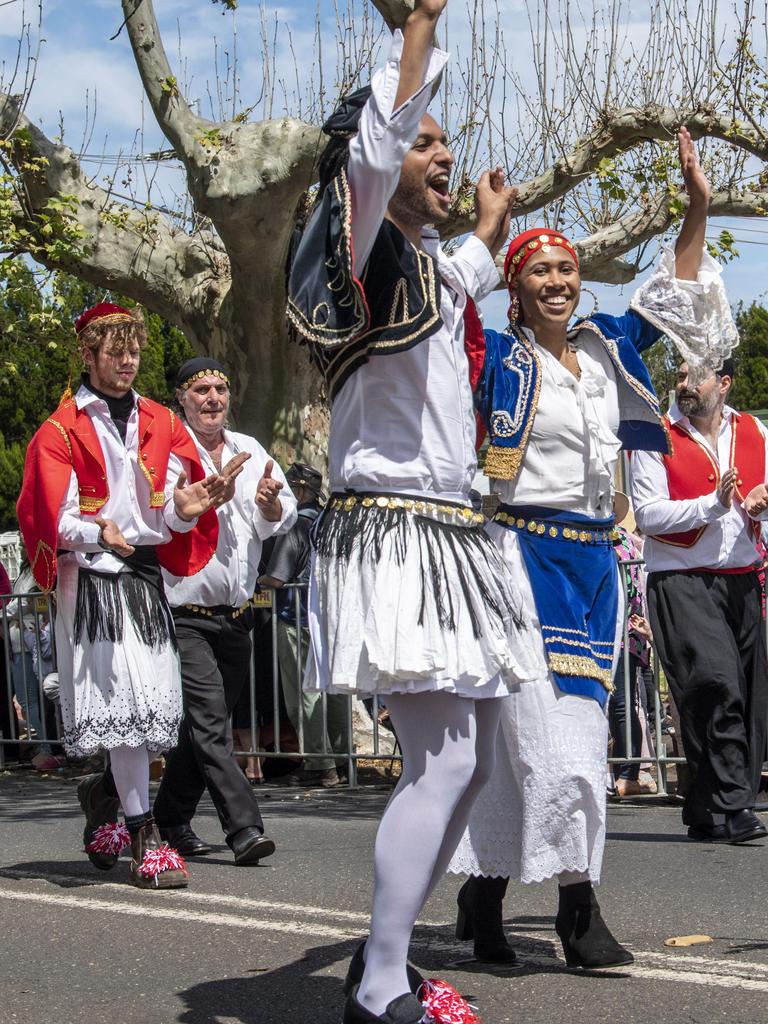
point(710, 634)
point(215, 657)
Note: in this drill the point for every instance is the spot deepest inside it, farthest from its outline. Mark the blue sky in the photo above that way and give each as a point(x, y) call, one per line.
point(81, 67)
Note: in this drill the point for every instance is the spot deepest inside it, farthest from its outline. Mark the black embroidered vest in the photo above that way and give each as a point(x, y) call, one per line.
point(345, 321)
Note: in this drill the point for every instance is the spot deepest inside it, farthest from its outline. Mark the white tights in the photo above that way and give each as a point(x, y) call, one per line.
point(449, 748)
point(130, 770)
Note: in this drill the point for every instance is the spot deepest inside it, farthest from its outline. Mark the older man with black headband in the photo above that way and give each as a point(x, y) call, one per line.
point(213, 618)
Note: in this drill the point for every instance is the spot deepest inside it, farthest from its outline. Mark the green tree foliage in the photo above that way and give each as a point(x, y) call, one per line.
point(662, 361)
point(38, 356)
point(750, 384)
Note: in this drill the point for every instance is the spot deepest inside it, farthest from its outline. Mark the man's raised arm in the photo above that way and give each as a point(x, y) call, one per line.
point(389, 123)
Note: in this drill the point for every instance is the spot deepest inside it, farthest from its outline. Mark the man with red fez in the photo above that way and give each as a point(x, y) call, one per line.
point(701, 506)
point(559, 404)
point(408, 598)
point(114, 489)
point(213, 616)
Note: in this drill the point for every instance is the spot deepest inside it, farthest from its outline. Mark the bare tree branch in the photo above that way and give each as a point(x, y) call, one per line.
point(140, 254)
point(617, 134)
point(179, 123)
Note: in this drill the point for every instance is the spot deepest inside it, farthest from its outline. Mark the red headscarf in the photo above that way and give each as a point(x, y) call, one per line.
point(529, 242)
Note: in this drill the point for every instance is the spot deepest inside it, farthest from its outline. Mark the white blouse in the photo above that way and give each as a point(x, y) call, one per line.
point(573, 448)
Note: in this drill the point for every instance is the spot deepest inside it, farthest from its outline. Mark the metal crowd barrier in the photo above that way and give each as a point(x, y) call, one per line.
point(29, 655)
point(27, 620)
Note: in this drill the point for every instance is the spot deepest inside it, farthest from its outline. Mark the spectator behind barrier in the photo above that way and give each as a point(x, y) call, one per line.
point(290, 563)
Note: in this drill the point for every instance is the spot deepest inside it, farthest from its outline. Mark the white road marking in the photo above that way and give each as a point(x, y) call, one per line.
point(178, 914)
point(649, 965)
point(191, 895)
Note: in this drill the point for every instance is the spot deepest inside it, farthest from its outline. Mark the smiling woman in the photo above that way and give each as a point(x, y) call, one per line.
point(559, 405)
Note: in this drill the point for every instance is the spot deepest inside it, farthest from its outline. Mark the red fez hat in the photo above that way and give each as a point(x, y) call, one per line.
point(104, 312)
point(529, 242)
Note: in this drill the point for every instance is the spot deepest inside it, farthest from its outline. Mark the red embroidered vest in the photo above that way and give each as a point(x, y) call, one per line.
point(68, 441)
point(693, 471)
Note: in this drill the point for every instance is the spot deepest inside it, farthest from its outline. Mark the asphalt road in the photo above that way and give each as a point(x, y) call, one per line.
point(270, 944)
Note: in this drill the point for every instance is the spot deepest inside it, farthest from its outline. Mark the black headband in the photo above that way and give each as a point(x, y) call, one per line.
point(201, 366)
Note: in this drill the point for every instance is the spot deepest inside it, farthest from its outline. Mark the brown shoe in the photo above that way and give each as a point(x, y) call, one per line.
point(629, 787)
point(155, 864)
point(99, 809)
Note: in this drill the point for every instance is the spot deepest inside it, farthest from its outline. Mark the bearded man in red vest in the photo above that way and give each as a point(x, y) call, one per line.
point(114, 489)
point(701, 507)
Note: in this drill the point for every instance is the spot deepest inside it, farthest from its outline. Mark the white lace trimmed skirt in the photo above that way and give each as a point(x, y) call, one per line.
point(403, 603)
point(115, 692)
point(543, 811)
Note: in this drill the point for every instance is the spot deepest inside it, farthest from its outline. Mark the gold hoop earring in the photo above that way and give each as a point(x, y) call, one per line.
point(595, 307)
point(513, 313)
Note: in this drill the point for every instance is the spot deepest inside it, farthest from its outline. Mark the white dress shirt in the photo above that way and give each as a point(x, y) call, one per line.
point(573, 448)
point(230, 576)
point(129, 493)
point(405, 421)
point(725, 544)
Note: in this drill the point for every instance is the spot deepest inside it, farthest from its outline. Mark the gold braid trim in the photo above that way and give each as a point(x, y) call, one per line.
point(46, 552)
point(108, 318)
point(92, 504)
point(576, 665)
point(503, 463)
point(63, 432)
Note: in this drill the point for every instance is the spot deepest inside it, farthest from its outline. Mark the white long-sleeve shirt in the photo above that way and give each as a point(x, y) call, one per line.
point(230, 576)
point(725, 544)
point(404, 422)
point(129, 494)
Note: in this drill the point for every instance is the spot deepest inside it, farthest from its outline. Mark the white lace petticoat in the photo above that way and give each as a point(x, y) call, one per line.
point(113, 694)
point(543, 810)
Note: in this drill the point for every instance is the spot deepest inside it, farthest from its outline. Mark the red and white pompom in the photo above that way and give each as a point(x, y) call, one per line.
point(444, 1005)
point(164, 858)
point(111, 839)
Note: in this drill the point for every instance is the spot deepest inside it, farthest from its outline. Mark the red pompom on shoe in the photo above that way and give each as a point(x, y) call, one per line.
point(110, 839)
point(164, 858)
point(444, 1005)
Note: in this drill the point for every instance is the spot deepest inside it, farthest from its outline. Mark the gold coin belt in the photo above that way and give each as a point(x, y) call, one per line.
point(457, 514)
point(568, 532)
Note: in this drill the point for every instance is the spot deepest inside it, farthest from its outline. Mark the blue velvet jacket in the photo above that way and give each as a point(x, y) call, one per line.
point(507, 394)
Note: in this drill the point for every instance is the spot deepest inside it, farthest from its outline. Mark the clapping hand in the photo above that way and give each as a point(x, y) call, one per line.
point(493, 206)
point(756, 502)
point(727, 486)
point(222, 487)
point(111, 537)
point(267, 494)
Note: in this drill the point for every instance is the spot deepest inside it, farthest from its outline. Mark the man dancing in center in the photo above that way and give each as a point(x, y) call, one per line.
point(407, 597)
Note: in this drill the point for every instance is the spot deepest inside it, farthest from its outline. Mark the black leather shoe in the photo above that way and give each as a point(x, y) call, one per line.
point(744, 826)
point(184, 840)
point(99, 809)
point(357, 966)
point(406, 1009)
point(708, 833)
point(250, 846)
point(586, 940)
point(480, 902)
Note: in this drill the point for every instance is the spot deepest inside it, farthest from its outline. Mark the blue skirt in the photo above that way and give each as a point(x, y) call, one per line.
point(571, 564)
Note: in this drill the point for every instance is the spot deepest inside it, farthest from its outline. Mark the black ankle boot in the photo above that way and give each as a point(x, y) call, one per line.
point(357, 966)
point(586, 940)
point(480, 903)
